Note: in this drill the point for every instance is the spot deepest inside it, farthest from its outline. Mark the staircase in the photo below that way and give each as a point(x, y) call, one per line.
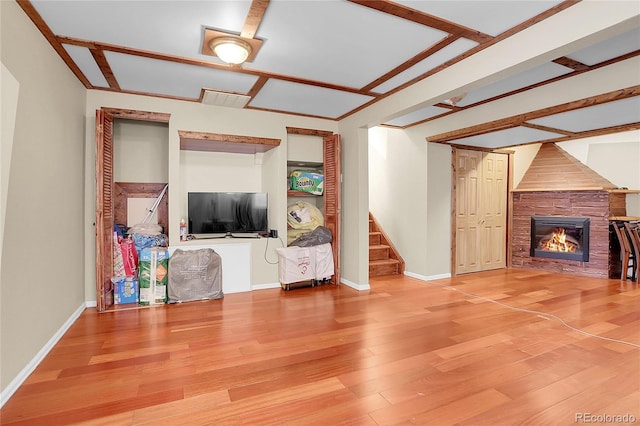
point(384, 259)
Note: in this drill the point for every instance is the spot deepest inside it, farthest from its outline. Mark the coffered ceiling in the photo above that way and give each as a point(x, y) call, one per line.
point(332, 58)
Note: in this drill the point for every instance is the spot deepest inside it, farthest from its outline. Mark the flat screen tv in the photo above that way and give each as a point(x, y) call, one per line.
point(227, 212)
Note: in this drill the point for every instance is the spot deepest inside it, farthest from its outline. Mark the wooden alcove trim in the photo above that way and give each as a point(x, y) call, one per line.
point(218, 142)
point(308, 132)
point(130, 114)
point(126, 190)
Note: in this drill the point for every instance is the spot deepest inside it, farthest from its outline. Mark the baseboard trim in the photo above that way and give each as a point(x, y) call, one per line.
point(265, 286)
point(359, 287)
point(28, 369)
point(427, 278)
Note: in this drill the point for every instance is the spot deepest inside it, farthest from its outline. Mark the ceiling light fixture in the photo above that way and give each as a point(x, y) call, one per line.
point(232, 50)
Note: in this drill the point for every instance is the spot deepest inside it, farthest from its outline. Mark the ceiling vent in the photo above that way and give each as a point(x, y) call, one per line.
point(230, 100)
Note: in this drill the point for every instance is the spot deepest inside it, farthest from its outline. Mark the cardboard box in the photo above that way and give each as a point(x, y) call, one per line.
point(153, 275)
point(307, 182)
point(125, 290)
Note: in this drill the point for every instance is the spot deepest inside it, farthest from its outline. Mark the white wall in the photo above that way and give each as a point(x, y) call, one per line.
point(42, 273)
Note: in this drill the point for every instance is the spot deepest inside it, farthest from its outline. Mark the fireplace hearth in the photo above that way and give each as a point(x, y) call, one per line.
point(560, 237)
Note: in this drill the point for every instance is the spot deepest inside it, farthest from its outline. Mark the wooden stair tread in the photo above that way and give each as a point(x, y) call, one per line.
point(378, 246)
point(384, 262)
point(383, 258)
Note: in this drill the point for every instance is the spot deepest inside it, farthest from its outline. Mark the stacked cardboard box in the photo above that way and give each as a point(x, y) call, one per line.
point(153, 275)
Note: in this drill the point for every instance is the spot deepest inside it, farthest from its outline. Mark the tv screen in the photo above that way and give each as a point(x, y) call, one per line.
point(227, 212)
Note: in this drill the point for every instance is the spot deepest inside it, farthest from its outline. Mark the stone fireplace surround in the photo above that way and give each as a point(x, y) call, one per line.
point(597, 205)
point(557, 184)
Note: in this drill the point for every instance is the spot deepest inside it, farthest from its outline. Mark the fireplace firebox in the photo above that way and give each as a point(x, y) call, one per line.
point(560, 237)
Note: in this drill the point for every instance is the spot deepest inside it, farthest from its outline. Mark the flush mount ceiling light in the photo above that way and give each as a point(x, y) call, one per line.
point(222, 45)
point(232, 50)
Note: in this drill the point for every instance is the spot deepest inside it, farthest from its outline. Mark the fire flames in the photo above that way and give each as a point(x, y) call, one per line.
point(558, 241)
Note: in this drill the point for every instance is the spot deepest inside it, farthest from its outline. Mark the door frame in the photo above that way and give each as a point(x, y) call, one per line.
point(509, 215)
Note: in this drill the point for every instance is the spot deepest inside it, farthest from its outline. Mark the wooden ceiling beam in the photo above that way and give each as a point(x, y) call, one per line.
point(254, 18)
point(571, 63)
point(414, 15)
point(411, 62)
point(548, 129)
point(518, 120)
point(103, 64)
point(257, 86)
point(35, 17)
point(594, 132)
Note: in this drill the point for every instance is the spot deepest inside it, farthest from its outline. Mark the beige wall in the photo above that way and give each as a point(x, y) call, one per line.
point(398, 192)
point(188, 170)
point(42, 278)
point(140, 151)
point(410, 195)
point(438, 210)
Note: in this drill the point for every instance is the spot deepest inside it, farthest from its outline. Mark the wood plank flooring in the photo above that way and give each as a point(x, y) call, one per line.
point(405, 352)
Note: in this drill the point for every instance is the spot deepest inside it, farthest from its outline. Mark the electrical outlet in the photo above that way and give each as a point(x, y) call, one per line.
point(273, 233)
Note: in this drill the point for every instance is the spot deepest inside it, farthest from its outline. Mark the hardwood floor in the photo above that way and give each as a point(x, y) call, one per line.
point(405, 352)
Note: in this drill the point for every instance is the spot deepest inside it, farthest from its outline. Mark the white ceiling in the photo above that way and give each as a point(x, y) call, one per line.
point(322, 58)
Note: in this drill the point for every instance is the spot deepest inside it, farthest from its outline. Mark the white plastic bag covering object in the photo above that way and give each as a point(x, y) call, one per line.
point(195, 275)
point(324, 261)
point(296, 264)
